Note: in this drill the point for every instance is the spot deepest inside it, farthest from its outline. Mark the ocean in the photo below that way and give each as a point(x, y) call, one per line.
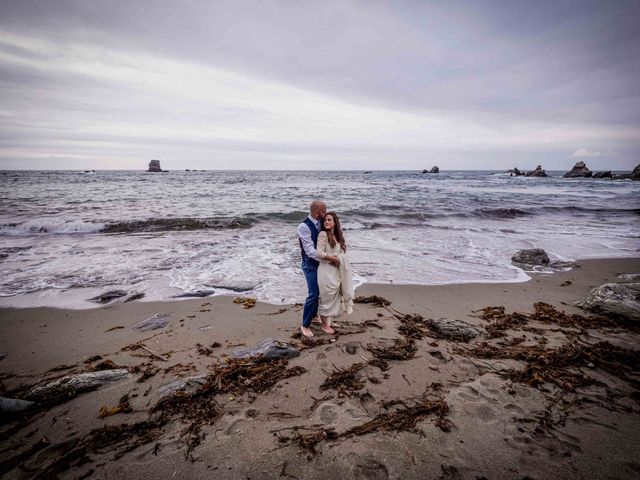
point(67, 236)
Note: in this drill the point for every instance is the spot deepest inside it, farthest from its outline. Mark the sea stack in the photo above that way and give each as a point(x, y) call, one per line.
point(538, 172)
point(154, 166)
point(514, 172)
point(578, 170)
point(434, 169)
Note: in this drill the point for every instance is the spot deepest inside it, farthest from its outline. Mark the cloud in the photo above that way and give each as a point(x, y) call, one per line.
point(585, 152)
point(290, 85)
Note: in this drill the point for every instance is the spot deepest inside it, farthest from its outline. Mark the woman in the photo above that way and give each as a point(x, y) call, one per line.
point(334, 282)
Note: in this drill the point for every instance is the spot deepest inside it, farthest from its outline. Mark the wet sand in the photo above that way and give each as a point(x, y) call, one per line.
point(485, 423)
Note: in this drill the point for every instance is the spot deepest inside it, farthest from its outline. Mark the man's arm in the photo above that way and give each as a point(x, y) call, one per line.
point(307, 243)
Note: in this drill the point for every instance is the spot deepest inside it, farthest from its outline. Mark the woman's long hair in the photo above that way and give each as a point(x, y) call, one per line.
point(336, 235)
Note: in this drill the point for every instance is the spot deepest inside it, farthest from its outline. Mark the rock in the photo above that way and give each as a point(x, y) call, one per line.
point(159, 320)
point(514, 172)
point(367, 171)
point(351, 348)
point(531, 257)
point(3, 355)
point(154, 166)
point(456, 330)
point(108, 296)
point(578, 170)
point(635, 174)
point(133, 296)
point(14, 405)
point(538, 172)
point(605, 174)
point(187, 386)
point(622, 276)
point(269, 348)
point(434, 169)
point(614, 300)
point(70, 386)
point(196, 294)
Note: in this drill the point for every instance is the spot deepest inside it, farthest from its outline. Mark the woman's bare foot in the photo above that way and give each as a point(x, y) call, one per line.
point(326, 326)
point(307, 332)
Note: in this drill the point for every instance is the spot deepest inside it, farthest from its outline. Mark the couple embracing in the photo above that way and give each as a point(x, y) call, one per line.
point(326, 268)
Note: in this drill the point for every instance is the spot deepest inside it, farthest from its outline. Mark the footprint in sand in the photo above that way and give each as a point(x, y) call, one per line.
point(346, 415)
point(367, 468)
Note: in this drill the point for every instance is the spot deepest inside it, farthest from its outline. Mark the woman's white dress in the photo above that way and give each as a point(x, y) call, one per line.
point(335, 284)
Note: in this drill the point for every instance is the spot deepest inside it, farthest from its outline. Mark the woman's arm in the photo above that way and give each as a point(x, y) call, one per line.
point(321, 248)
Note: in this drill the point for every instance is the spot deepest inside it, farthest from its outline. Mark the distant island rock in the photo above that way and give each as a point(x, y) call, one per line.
point(634, 175)
point(434, 169)
point(538, 172)
point(579, 170)
point(514, 172)
point(154, 166)
point(605, 174)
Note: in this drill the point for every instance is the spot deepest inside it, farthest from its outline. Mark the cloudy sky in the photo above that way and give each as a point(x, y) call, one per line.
point(319, 85)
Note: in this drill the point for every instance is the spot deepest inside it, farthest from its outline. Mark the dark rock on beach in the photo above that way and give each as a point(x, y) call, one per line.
point(14, 405)
point(109, 296)
point(267, 348)
point(538, 172)
point(196, 294)
point(614, 300)
point(578, 170)
point(154, 322)
point(605, 174)
point(456, 330)
point(69, 386)
point(531, 257)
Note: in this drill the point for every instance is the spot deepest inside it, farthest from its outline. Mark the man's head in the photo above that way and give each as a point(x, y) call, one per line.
point(318, 209)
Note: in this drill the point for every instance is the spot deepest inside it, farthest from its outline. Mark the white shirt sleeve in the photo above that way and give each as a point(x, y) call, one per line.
point(304, 233)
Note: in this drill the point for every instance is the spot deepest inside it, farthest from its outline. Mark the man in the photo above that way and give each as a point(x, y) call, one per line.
point(308, 232)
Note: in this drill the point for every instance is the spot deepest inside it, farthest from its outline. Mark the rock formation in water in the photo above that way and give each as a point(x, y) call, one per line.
point(434, 169)
point(634, 175)
point(514, 172)
point(605, 174)
point(578, 170)
point(154, 166)
point(538, 172)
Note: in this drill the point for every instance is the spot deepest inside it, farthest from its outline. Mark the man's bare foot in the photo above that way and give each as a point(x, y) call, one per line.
point(306, 332)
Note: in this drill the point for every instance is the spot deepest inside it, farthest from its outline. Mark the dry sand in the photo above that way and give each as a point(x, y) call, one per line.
point(483, 425)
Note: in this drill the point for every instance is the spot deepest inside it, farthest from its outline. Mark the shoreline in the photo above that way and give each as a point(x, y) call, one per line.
point(26, 302)
point(497, 427)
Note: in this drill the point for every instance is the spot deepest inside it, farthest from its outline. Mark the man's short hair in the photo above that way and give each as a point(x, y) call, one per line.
point(316, 205)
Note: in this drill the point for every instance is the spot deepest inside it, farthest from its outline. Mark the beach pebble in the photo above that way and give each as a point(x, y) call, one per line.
point(351, 348)
point(614, 300)
point(3, 355)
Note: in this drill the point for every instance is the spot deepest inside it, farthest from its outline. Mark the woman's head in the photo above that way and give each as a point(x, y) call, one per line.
point(331, 225)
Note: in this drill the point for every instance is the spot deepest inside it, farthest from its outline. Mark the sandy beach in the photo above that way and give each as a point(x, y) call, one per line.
point(536, 395)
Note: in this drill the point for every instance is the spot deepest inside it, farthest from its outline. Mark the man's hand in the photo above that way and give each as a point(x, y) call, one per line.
point(335, 261)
